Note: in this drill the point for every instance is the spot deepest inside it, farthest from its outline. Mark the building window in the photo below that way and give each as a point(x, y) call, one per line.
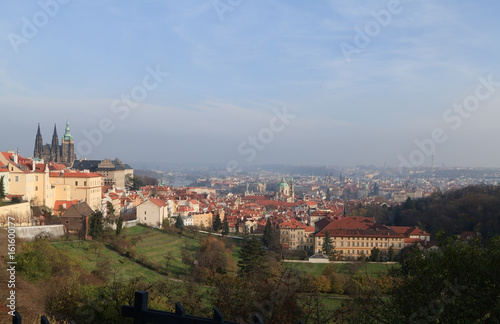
point(85, 183)
point(76, 183)
point(36, 178)
point(36, 188)
point(16, 179)
point(144, 213)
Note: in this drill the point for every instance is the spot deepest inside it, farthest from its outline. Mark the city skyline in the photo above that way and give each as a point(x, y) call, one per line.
point(328, 83)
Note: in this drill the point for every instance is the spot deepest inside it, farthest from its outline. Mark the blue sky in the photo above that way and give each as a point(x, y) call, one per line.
point(232, 64)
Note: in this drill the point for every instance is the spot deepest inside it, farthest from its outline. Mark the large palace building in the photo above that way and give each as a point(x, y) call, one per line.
point(64, 153)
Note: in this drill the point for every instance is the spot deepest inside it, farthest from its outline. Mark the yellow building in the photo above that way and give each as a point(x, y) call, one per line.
point(353, 243)
point(296, 236)
point(202, 220)
point(84, 186)
point(21, 179)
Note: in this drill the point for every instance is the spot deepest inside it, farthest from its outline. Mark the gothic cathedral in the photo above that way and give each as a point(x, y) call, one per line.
point(64, 153)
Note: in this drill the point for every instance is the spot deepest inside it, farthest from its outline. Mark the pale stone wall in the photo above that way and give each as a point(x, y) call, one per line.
point(30, 232)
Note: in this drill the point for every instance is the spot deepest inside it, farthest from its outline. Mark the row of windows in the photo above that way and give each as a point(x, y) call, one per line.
point(362, 239)
point(368, 244)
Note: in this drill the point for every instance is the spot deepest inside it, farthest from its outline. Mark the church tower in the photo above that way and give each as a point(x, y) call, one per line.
point(54, 149)
point(38, 151)
point(67, 147)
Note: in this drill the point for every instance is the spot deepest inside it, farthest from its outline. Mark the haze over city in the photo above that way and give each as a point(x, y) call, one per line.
point(330, 82)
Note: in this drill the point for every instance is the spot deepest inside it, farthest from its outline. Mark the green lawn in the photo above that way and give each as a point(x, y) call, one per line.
point(316, 269)
point(155, 245)
point(122, 266)
point(152, 246)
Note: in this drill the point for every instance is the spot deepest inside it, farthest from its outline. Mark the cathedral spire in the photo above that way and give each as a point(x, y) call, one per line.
point(38, 151)
point(54, 148)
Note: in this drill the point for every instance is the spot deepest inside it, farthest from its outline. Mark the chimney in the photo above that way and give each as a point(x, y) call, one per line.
point(34, 166)
point(14, 156)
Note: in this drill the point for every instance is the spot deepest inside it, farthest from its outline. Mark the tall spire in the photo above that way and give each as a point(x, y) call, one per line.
point(54, 148)
point(38, 151)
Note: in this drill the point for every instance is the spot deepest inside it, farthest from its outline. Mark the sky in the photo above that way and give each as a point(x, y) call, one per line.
point(240, 82)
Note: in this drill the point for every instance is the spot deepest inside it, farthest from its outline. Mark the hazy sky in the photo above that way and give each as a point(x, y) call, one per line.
point(261, 81)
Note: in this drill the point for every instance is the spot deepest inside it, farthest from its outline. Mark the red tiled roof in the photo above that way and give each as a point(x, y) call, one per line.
point(57, 167)
point(157, 202)
point(60, 203)
point(75, 174)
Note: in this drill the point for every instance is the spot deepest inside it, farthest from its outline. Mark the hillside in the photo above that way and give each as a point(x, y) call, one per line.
point(474, 208)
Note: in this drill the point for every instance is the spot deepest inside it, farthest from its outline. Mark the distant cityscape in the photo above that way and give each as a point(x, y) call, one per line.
point(54, 179)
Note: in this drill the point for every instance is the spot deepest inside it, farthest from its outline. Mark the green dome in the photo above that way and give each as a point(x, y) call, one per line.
point(67, 136)
point(283, 183)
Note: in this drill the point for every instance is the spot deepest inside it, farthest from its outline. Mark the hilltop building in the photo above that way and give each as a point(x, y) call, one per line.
point(63, 153)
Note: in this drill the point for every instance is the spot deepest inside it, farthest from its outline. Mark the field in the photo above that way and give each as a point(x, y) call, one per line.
point(120, 265)
point(316, 269)
point(152, 246)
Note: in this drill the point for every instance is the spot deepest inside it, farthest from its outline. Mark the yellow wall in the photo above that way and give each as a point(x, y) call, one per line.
point(84, 188)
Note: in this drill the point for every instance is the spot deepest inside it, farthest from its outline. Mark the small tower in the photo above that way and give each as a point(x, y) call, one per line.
point(246, 190)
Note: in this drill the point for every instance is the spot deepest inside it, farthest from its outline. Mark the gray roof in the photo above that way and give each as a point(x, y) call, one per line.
point(93, 165)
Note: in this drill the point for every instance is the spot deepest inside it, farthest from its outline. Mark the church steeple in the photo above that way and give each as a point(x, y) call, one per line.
point(37, 153)
point(54, 149)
